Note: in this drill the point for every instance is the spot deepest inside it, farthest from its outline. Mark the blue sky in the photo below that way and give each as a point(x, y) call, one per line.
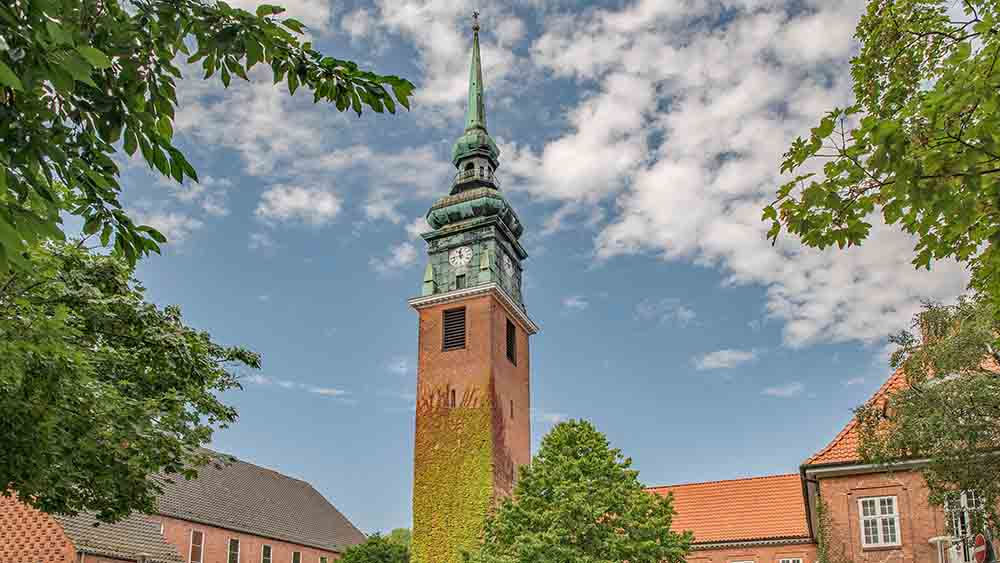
point(640, 141)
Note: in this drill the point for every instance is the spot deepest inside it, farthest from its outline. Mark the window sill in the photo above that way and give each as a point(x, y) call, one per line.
point(882, 548)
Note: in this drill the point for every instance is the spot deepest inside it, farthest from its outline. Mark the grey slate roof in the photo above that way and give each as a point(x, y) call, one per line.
point(247, 498)
point(136, 534)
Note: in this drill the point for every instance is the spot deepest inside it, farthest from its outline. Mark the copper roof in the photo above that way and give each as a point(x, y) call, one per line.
point(844, 447)
point(756, 508)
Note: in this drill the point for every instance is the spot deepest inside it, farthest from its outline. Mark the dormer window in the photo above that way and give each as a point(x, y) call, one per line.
point(470, 166)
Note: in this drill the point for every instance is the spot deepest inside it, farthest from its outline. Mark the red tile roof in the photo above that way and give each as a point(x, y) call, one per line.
point(756, 508)
point(844, 447)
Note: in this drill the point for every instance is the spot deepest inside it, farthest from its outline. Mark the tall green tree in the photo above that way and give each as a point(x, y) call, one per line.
point(920, 145)
point(949, 414)
point(81, 80)
point(101, 391)
point(400, 536)
point(378, 549)
point(580, 502)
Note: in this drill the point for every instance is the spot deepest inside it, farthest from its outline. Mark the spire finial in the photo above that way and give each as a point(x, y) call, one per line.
point(475, 116)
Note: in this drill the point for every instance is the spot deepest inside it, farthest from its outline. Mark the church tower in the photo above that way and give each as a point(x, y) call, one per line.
point(473, 403)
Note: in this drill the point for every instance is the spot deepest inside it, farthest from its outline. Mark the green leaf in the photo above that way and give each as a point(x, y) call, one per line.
point(94, 56)
point(268, 10)
point(58, 33)
point(131, 143)
point(9, 79)
point(77, 67)
point(293, 24)
point(92, 225)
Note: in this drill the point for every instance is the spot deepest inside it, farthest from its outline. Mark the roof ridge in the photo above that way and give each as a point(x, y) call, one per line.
point(717, 481)
point(252, 464)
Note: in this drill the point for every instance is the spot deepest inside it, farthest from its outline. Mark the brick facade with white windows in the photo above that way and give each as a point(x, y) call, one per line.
point(875, 516)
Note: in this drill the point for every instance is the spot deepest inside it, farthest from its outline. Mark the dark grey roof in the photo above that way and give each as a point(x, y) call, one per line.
point(127, 539)
point(243, 497)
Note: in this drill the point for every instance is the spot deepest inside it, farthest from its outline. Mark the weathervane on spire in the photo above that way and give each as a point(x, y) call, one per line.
point(475, 21)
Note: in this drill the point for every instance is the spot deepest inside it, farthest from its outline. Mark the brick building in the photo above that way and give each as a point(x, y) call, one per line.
point(232, 513)
point(875, 516)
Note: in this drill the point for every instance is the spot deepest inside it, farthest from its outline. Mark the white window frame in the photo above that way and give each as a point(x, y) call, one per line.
point(229, 549)
point(270, 557)
point(299, 553)
point(790, 560)
point(880, 518)
point(201, 553)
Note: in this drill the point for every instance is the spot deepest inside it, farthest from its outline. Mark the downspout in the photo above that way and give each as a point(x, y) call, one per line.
point(805, 500)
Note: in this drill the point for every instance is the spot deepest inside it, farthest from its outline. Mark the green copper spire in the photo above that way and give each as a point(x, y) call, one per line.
point(476, 142)
point(475, 115)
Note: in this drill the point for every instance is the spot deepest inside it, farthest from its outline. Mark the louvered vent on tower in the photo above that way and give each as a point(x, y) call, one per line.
point(454, 329)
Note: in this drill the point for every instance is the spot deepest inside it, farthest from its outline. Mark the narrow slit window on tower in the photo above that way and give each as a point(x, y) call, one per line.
point(452, 403)
point(453, 332)
point(460, 281)
point(511, 342)
point(512, 409)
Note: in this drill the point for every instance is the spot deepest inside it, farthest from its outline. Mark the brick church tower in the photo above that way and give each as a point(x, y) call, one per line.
point(473, 403)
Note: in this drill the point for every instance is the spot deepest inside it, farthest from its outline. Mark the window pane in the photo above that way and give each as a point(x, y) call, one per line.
point(296, 557)
point(871, 532)
point(234, 550)
point(889, 530)
point(868, 507)
point(265, 554)
point(196, 541)
point(888, 505)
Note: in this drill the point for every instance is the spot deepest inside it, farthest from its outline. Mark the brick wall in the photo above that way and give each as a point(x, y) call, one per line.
point(918, 520)
point(216, 544)
point(31, 536)
point(758, 554)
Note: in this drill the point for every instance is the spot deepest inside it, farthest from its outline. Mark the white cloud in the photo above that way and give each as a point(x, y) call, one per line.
point(176, 226)
point(695, 102)
point(785, 391)
point(400, 256)
point(441, 31)
point(418, 227)
point(312, 206)
point(548, 417)
point(314, 13)
point(258, 379)
point(854, 381)
point(724, 359)
point(667, 310)
point(327, 391)
point(261, 241)
point(400, 366)
point(575, 303)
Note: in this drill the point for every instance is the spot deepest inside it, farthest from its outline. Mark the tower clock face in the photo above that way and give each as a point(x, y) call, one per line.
point(508, 265)
point(460, 256)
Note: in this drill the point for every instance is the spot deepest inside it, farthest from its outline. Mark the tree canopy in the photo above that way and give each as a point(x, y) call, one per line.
point(580, 502)
point(101, 391)
point(81, 80)
point(378, 549)
point(920, 145)
point(949, 413)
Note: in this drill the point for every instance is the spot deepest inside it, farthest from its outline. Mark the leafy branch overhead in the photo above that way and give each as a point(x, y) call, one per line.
point(82, 79)
point(921, 144)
